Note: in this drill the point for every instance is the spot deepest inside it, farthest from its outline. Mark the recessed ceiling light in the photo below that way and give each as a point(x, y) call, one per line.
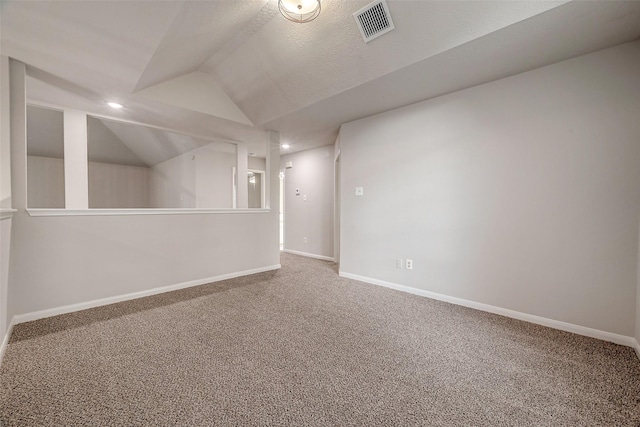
point(285, 146)
point(114, 105)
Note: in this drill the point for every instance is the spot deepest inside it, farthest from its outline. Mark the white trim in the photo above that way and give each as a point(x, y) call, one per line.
point(28, 317)
point(636, 347)
point(5, 340)
point(150, 211)
point(7, 213)
point(555, 324)
point(308, 255)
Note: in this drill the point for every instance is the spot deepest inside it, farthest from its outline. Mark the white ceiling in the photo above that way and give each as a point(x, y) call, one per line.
point(302, 80)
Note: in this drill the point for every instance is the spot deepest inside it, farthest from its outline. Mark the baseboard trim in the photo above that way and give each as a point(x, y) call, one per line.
point(636, 347)
point(308, 255)
point(36, 315)
point(5, 340)
point(555, 324)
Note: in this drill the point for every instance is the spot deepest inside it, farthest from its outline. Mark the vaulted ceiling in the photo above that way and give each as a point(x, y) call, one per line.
point(231, 69)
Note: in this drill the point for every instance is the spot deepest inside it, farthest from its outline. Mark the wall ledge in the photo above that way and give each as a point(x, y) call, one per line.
point(550, 323)
point(6, 213)
point(121, 212)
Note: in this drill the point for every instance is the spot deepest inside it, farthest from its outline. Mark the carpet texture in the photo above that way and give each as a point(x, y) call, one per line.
point(302, 346)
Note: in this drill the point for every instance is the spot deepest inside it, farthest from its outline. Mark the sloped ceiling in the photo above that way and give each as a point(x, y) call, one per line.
point(104, 146)
point(196, 32)
point(153, 146)
point(197, 91)
point(110, 141)
point(301, 80)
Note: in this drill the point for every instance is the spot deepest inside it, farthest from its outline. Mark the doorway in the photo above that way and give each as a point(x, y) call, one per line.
point(336, 210)
point(281, 210)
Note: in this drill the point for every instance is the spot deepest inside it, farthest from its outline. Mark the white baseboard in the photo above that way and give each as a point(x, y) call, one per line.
point(555, 324)
point(308, 255)
point(636, 347)
point(28, 317)
point(5, 340)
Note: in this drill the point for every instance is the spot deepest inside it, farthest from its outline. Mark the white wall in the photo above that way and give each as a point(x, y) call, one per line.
point(45, 181)
point(637, 334)
point(201, 178)
point(257, 163)
point(15, 113)
point(312, 174)
point(5, 244)
point(637, 327)
point(110, 186)
point(214, 179)
point(64, 260)
point(118, 186)
point(5, 192)
point(173, 183)
point(76, 174)
point(5, 136)
point(521, 193)
point(83, 258)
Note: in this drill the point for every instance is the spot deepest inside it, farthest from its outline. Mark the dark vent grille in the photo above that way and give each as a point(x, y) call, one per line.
point(374, 20)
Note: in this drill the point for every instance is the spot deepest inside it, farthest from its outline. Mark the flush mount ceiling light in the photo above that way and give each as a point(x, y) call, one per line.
point(114, 105)
point(285, 146)
point(299, 11)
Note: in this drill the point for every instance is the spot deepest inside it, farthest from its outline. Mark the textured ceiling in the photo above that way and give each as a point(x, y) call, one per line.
point(199, 30)
point(272, 76)
point(302, 80)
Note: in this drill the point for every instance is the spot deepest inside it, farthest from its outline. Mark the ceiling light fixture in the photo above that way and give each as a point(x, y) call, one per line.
point(285, 146)
point(299, 11)
point(114, 105)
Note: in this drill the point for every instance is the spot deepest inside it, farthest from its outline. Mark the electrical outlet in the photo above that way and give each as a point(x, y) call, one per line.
point(305, 240)
point(409, 264)
point(398, 262)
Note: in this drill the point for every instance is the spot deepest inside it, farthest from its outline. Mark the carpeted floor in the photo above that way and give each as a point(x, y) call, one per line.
point(302, 346)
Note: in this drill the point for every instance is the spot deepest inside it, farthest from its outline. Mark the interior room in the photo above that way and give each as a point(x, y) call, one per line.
point(320, 212)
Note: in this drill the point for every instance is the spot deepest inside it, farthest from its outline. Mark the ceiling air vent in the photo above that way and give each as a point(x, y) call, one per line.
point(374, 20)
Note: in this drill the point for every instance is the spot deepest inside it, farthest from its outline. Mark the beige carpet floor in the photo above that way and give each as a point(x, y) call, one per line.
point(301, 346)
